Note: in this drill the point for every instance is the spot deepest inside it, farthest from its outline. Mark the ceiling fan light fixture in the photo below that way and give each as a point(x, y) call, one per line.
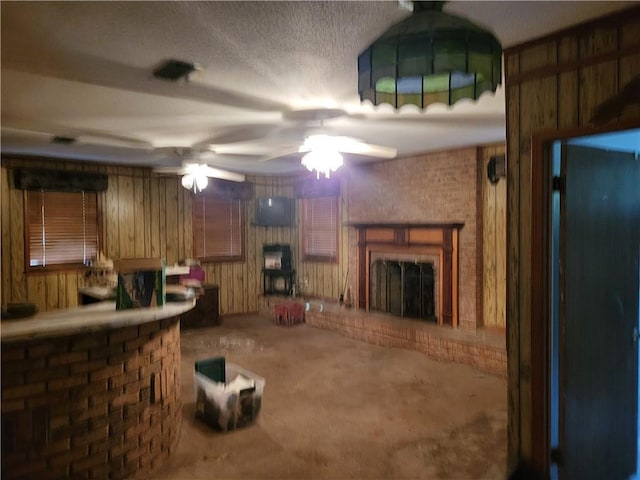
point(201, 182)
point(187, 181)
point(326, 142)
point(430, 57)
point(323, 161)
point(195, 181)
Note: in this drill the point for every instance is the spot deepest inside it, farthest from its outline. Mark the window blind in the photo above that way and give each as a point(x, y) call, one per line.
point(218, 228)
point(320, 228)
point(62, 228)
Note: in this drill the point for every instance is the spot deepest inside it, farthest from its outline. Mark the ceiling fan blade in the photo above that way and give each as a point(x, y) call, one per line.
point(238, 134)
point(282, 154)
point(347, 145)
point(207, 170)
point(370, 150)
point(222, 174)
point(73, 136)
point(170, 170)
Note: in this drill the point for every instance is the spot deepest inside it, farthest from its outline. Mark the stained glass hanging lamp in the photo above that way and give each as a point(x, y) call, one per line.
point(430, 57)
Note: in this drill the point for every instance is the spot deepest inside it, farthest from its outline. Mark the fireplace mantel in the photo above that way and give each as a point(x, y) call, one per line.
point(439, 240)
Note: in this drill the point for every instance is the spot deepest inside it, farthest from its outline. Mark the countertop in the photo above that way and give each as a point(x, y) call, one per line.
point(99, 293)
point(88, 318)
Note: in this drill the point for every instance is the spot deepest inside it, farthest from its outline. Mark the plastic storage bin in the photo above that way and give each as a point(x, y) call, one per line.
point(227, 395)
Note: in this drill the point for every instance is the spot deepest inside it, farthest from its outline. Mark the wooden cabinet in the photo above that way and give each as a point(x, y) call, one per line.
point(206, 312)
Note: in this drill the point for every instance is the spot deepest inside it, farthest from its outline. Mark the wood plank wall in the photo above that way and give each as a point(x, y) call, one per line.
point(494, 244)
point(553, 84)
point(313, 279)
point(149, 216)
point(143, 216)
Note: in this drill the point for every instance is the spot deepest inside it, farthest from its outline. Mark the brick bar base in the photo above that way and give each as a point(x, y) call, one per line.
point(484, 350)
point(99, 405)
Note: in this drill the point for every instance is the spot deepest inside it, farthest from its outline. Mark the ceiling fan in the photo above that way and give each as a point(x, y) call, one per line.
point(306, 138)
point(194, 168)
point(193, 162)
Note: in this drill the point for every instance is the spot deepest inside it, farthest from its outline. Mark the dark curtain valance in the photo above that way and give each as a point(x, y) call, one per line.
point(227, 190)
point(313, 188)
point(59, 180)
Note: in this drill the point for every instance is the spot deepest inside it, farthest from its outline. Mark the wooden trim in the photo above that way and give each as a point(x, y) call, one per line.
point(576, 65)
point(455, 279)
point(241, 227)
point(540, 303)
point(68, 268)
point(447, 251)
point(611, 20)
point(407, 225)
point(304, 234)
point(481, 171)
point(447, 276)
point(540, 286)
point(363, 280)
point(548, 135)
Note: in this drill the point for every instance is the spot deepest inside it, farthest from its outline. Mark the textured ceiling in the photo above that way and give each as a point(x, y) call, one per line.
point(83, 69)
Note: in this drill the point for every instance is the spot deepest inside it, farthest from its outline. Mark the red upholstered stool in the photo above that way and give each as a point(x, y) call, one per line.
point(280, 314)
point(296, 313)
point(288, 314)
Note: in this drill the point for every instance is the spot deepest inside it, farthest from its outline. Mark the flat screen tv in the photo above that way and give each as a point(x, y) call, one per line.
point(274, 212)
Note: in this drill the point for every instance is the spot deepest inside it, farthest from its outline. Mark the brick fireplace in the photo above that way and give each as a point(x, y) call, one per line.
point(431, 250)
point(409, 270)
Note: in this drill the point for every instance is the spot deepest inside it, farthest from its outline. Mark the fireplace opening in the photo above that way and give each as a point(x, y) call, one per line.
point(403, 288)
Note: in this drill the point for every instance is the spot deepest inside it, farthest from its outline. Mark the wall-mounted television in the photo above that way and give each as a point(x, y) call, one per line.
point(274, 212)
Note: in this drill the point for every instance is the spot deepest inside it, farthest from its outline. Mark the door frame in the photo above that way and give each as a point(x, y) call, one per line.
point(540, 307)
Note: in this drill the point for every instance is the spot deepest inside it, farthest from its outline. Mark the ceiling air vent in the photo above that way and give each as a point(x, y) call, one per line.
point(174, 70)
point(63, 140)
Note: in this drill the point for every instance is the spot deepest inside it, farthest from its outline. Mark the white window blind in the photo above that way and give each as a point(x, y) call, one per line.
point(62, 228)
point(320, 228)
point(218, 229)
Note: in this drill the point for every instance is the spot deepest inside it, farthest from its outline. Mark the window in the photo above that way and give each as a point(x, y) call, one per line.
point(218, 227)
point(62, 228)
point(320, 229)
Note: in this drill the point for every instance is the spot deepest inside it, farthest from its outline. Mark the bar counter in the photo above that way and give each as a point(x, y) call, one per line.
point(91, 392)
point(84, 319)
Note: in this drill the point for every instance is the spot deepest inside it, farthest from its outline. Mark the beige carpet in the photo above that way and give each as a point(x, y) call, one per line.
point(335, 408)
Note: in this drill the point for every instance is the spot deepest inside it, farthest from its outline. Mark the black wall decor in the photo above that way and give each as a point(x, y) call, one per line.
point(59, 180)
point(496, 168)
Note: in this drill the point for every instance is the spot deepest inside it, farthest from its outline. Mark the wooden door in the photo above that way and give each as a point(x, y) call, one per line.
point(599, 257)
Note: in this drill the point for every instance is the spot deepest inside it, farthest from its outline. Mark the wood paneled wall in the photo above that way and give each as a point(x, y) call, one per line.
point(143, 216)
point(494, 244)
point(552, 85)
point(149, 216)
point(313, 279)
